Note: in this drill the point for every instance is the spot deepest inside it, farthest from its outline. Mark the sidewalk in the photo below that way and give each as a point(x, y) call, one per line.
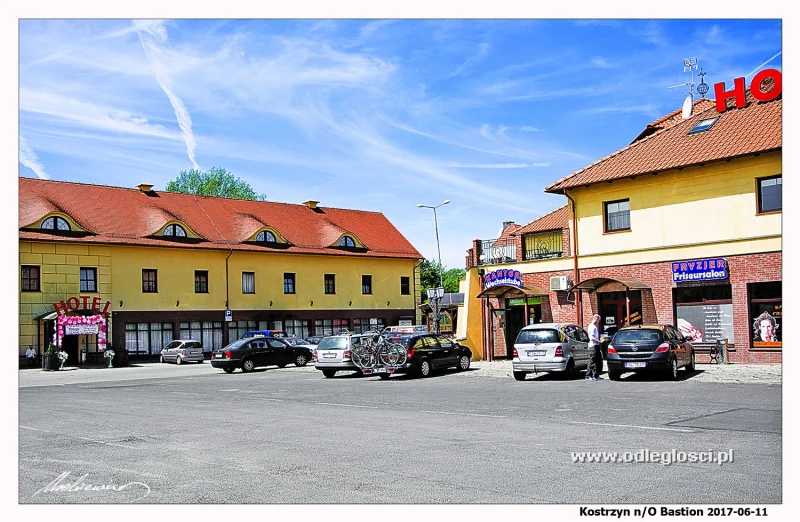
point(724, 373)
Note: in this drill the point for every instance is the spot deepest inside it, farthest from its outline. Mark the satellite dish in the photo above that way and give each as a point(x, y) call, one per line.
point(686, 113)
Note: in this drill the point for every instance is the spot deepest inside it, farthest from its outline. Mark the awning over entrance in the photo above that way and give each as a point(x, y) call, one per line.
point(592, 284)
point(46, 316)
point(512, 291)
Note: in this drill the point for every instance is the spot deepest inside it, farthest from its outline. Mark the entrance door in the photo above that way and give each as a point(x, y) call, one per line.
point(515, 321)
point(69, 343)
point(613, 310)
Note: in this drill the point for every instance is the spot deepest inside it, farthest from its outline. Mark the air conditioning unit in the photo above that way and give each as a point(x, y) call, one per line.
point(559, 283)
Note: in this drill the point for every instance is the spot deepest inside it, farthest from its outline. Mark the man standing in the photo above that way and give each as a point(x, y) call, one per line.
point(30, 355)
point(596, 355)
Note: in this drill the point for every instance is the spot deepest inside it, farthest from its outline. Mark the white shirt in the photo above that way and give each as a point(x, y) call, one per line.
point(30, 353)
point(594, 335)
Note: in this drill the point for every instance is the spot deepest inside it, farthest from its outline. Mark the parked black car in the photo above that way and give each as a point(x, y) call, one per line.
point(649, 347)
point(428, 352)
point(251, 352)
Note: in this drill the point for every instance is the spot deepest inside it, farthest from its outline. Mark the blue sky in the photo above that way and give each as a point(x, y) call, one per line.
point(369, 114)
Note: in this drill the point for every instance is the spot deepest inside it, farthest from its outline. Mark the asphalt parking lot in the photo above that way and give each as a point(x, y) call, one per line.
point(193, 434)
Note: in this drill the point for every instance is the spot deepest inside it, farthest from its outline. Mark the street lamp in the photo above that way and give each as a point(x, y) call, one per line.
point(435, 295)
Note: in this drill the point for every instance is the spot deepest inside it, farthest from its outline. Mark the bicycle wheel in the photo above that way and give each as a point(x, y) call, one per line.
point(393, 355)
point(361, 356)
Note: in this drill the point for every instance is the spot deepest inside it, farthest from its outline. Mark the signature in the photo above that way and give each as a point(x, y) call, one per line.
point(60, 485)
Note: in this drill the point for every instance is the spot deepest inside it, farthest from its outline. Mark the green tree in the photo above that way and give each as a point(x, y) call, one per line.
point(429, 277)
point(215, 181)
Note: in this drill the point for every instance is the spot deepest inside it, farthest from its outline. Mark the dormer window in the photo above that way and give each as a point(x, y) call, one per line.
point(174, 231)
point(265, 236)
point(56, 223)
point(346, 241)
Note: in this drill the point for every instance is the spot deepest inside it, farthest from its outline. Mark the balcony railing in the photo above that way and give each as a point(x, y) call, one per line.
point(497, 252)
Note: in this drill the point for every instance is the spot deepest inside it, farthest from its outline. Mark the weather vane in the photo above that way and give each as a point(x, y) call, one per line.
point(702, 89)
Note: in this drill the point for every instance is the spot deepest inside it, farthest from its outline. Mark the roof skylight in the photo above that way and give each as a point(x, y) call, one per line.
point(704, 125)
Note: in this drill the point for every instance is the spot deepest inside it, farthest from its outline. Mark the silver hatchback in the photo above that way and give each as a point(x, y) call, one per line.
point(182, 351)
point(334, 353)
point(551, 347)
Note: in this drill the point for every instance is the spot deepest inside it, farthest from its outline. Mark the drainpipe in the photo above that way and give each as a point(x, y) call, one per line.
point(227, 283)
point(576, 273)
point(414, 278)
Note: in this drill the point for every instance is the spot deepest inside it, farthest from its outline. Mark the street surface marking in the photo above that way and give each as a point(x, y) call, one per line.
point(632, 426)
point(231, 390)
point(466, 414)
point(346, 405)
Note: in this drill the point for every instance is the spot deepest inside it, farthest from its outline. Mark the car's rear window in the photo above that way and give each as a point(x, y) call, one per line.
point(542, 335)
point(333, 343)
point(637, 335)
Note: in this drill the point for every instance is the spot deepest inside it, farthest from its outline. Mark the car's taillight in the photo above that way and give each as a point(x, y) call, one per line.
point(611, 349)
point(347, 354)
point(559, 352)
point(409, 353)
point(516, 355)
point(227, 355)
point(663, 347)
point(315, 356)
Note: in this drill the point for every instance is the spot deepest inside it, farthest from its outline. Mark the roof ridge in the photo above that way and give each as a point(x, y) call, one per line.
point(540, 218)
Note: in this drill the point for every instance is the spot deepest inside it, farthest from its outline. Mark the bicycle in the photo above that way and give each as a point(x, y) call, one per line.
point(379, 356)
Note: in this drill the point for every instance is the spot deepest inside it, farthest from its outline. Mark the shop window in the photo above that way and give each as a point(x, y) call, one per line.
point(30, 279)
point(174, 231)
point(374, 324)
point(56, 223)
point(366, 284)
point(704, 314)
point(330, 283)
point(297, 328)
point(331, 326)
point(201, 281)
point(766, 314)
point(236, 329)
point(147, 338)
point(543, 245)
point(618, 215)
point(149, 280)
point(248, 282)
point(288, 283)
point(770, 194)
point(208, 333)
point(405, 285)
point(88, 279)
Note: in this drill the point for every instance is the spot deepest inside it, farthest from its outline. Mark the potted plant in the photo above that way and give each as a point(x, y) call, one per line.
point(109, 354)
point(48, 358)
point(62, 358)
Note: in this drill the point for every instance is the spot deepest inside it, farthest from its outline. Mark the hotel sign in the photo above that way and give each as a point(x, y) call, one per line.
point(502, 277)
point(738, 92)
point(699, 270)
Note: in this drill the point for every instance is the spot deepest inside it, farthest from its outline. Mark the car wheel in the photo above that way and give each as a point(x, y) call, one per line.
point(248, 365)
point(329, 373)
point(520, 376)
point(301, 360)
point(614, 376)
point(161, 360)
point(178, 360)
point(463, 363)
point(691, 366)
point(425, 368)
point(673, 370)
point(569, 371)
point(228, 370)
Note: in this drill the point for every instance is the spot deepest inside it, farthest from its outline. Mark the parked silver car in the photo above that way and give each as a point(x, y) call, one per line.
point(551, 347)
point(187, 350)
point(333, 353)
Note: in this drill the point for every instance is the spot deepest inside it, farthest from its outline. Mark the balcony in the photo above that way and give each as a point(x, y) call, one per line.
point(497, 252)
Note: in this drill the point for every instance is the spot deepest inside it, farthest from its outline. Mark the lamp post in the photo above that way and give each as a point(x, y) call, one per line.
point(435, 295)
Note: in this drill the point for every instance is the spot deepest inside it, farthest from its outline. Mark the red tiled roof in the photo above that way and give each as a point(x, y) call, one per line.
point(116, 215)
point(513, 227)
point(674, 117)
point(738, 132)
point(557, 219)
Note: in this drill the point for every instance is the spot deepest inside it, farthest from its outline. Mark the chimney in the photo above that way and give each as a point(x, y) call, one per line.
point(145, 187)
point(311, 204)
point(506, 224)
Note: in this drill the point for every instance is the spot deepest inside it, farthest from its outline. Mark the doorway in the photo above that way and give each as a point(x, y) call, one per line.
point(69, 343)
point(613, 310)
point(515, 321)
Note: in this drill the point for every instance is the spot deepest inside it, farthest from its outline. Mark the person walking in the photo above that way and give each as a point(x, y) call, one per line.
point(596, 355)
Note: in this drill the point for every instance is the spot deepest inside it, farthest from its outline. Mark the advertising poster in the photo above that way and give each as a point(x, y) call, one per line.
point(767, 325)
point(81, 329)
point(706, 323)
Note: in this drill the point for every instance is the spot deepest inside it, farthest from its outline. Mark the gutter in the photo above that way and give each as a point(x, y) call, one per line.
point(575, 272)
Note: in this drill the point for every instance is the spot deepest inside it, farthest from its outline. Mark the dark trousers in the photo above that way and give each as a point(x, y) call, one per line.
point(595, 362)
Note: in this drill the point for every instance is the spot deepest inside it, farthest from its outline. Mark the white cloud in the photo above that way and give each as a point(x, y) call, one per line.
point(600, 62)
point(497, 165)
point(28, 158)
point(483, 50)
point(156, 30)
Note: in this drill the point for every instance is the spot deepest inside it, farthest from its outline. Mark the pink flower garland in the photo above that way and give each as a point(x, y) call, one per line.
point(71, 320)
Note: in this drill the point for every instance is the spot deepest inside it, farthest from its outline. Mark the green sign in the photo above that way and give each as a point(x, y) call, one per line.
point(521, 302)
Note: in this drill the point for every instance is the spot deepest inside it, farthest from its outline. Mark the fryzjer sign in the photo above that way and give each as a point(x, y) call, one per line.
point(738, 91)
point(699, 270)
point(502, 277)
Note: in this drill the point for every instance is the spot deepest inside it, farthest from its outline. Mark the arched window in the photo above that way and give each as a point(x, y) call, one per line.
point(347, 241)
point(174, 230)
point(55, 223)
point(265, 236)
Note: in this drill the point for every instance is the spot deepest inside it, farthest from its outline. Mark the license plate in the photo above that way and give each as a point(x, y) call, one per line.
point(329, 356)
point(536, 353)
point(635, 364)
point(380, 370)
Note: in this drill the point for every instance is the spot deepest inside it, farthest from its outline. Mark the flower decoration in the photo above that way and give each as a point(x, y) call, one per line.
point(62, 356)
point(108, 354)
point(73, 320)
